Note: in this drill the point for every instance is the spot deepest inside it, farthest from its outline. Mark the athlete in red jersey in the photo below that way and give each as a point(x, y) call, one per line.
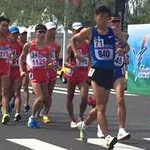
point(37, 54)
point(25, 82)
point(4, 67)
point(77, 75)
point(55, 51)
point(16, 81)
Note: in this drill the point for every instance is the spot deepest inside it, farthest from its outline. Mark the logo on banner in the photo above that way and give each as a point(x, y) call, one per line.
point(141, 71)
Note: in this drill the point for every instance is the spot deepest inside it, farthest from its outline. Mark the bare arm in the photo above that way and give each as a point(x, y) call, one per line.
point(67, 58)
point(23, 57)
point(84, 34)
point(122, 39)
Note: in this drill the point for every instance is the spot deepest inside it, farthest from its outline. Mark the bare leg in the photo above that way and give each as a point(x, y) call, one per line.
point(70, 96)
point(101, 95)
point(5, 81)
point(25, 84)
point(121, 109)
point(17, 87)
point(84, 95)
point(37, 88)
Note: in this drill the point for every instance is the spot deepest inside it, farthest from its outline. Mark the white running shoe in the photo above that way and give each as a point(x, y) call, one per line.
point(99, 132)
point(73, 124)
point(123, 135)
point(110, 142)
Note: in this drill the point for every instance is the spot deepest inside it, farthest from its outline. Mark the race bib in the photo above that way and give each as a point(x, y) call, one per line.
point(39, 62)
point(82, 63)
point(119, 60)
point(70, 72)
point(104, 54)
point(4, 52)
point(91, 72)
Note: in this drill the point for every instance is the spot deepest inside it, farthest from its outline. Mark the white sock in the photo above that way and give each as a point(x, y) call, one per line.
point(121, 130)
point(16, 114)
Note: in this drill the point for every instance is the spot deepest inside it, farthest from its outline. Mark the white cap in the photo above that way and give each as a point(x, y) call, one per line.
point(50, 25)
point(77, 25)
point(22, 30)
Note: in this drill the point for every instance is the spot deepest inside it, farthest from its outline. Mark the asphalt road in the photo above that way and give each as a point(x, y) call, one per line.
point(57, 135)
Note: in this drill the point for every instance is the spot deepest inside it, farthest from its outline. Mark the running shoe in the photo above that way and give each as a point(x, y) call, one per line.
point(73, 124)
point(99, 132)
point(17, 117)
point(5, 119)
point(26, 107)
point(123, 135)
point(32, 123)
point(82, 131)
point(46, 119)
point(110, 142)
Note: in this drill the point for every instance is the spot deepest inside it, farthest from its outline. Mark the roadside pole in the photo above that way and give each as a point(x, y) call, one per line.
point(65, 32)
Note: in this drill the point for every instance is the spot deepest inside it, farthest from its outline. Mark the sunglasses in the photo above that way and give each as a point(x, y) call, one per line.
point(115, 21)
point(41, 31)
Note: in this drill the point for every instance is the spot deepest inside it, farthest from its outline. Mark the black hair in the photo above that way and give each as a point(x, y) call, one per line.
point(102, 9)
point(115, 15)
point(40, 27)
point(3, 18)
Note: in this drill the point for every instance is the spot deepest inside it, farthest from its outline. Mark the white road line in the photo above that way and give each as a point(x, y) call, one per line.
point(35, 144)
point(118, 146)
point(91, 91)
point(148, 139)
point(62, 90)
point(30, 91)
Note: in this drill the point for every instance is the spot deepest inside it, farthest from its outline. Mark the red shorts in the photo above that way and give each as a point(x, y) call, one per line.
point(15, 73)
point(77, 76)
point(4, 68)
point(38, 76)
point(52, 74)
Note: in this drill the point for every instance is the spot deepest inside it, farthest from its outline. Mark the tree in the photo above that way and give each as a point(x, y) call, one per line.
point(30, 12)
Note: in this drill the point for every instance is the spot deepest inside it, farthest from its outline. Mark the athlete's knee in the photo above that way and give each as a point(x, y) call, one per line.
point(40, 98)
point(70, 97)
point(93, 112)
point(120, 102)
point(17, 94)
point(101, 108)
point(4, 91)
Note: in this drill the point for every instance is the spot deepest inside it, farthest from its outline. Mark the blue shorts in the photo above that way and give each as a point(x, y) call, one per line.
point(119, 72)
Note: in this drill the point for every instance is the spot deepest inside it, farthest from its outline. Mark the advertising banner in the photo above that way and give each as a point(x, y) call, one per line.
point(139, 59)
